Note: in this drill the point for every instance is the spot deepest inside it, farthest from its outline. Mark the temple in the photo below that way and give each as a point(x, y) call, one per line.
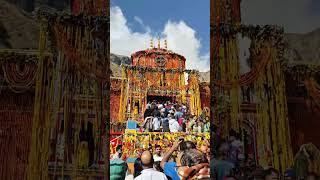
point(156, 74)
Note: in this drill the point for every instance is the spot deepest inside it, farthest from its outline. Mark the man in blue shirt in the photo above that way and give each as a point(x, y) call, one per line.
point(170, 168)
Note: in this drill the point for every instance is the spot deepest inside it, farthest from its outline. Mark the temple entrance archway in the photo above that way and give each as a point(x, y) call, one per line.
point(151, 98)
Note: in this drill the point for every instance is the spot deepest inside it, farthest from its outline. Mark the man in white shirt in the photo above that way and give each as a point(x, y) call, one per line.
point(173, 124)
point(148, 173)
point(158, 155)
point(156, 122)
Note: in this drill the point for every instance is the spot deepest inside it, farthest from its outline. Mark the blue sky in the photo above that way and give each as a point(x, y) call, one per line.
point(158, 18)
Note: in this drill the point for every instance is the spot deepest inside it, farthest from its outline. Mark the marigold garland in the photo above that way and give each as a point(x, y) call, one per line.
point(135, 142)
point(273, 134)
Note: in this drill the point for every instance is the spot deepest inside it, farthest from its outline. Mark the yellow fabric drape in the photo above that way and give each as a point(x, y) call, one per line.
point(273, 135)
point(122, 108)
point(183, 91)
point(273, 126)
point(195, 102)
point(39, 150)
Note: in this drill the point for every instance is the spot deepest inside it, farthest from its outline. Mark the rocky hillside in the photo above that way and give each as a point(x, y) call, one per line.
point(115, 62)
point(30, 5)
point(118, 59)
point(205, 76)
point(18, 29)
point(304, 48)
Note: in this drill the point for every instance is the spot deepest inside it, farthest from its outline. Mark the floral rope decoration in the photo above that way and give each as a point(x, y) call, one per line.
point(81, 39)
point(143, 81)
point(260, 34)
point(134, 143)
point(273, 126)
point(67, 93)
point(19, 68)
point(115, 85)
point(272, 122)
point(268, 32)
point(19, 76)
point(77, 56)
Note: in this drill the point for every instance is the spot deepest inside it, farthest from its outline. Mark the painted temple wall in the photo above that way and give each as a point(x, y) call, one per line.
point(16, 115)
point(114, 106)
point(172, 61)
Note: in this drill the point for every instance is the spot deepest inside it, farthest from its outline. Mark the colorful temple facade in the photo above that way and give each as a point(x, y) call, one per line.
point(156, 74)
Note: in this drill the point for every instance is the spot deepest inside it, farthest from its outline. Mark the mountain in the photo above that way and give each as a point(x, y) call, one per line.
point(304, 48)
point(31, 5)
point(18, 30)
point(204, 76)
point(115, 62)
point(119, 59)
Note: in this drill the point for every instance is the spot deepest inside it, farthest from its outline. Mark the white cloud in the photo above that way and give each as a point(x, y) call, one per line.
point(122, 40)
point(139, 20)
point(181, 39)
point(294, 15)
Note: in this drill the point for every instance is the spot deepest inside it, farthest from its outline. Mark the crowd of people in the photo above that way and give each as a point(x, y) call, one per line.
point(172, 117)
point(189, 160)
point(183, 160)
point(229, 162)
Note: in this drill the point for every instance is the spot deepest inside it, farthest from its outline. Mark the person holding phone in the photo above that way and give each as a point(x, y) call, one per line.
point(170, 168)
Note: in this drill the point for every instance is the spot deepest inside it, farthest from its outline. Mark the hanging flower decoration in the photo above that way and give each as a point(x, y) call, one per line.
point(268, 80)
point(81, 39)
point(19, 69)
point(268, 32)
point(134, 143)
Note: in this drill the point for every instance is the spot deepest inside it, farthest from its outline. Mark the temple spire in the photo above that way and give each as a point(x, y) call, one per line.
point(158, 42)
point(151, 43)
point(165, 44)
